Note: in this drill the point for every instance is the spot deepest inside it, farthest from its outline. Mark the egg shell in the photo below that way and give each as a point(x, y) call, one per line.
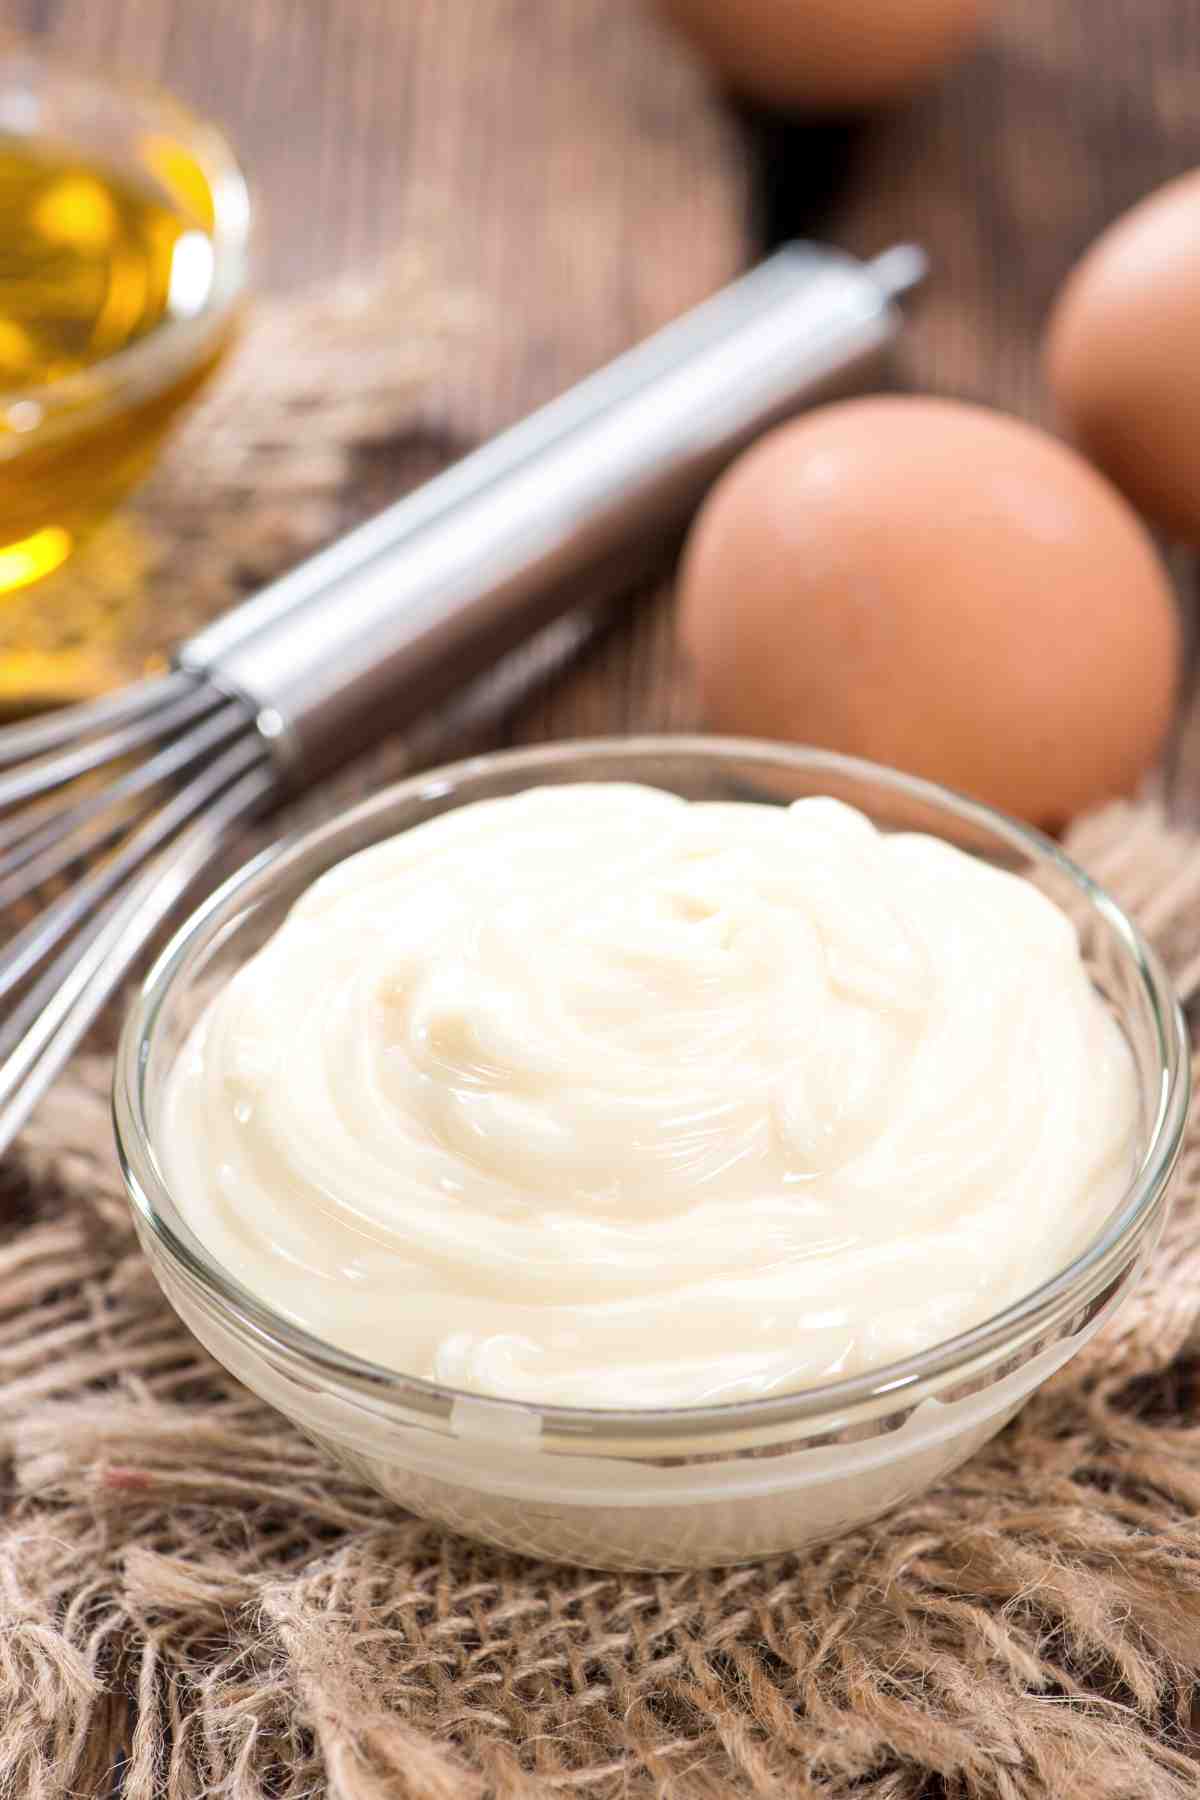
point(941, 588)
point(1123, 355)
point(826, 55)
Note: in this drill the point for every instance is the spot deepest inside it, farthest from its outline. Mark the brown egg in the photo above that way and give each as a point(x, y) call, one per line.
point(826, 55)
point(1123, 355)
point(938, 587)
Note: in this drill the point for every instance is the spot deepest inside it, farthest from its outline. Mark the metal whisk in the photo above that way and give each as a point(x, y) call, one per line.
point(141, 789)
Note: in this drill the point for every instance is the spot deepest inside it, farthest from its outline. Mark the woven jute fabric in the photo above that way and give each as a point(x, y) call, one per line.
point(195, 1602)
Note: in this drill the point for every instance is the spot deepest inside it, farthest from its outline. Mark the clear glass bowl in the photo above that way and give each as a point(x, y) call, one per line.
point(688, 1487)
point(71, 449)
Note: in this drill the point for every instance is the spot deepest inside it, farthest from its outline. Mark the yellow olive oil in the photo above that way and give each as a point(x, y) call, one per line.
point(92, 263)
point(85, 265)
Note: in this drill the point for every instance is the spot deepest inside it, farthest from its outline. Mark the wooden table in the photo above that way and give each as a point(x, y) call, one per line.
point(574, 166)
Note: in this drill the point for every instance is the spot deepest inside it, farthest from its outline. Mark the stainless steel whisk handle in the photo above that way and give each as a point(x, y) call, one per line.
point(591, 490)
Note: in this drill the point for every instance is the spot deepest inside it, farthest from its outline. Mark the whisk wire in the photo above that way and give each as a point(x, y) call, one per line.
point(54, 926)
point(46, 773)
point(102, 814)
point(134, 794)
point(25, 743)
point(71, 994)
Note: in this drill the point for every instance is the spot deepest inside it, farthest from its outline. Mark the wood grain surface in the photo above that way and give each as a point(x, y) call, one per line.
point(569, 162)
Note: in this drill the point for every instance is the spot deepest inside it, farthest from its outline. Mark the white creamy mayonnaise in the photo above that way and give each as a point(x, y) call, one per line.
point(599, 1097)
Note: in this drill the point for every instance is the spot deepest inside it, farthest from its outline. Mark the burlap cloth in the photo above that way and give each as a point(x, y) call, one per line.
point(193, 1601)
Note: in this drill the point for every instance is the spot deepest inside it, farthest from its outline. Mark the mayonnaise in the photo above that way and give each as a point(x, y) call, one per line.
point(597, 1097)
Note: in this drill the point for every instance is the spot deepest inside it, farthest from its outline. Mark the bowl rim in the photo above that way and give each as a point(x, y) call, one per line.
point(144, 368)
point(892, 1386)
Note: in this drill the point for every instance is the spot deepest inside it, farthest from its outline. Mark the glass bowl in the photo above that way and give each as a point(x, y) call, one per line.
point(72, 448)
point(692, 1486)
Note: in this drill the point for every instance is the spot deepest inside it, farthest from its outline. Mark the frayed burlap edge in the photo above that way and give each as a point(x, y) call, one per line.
point(195, 1602)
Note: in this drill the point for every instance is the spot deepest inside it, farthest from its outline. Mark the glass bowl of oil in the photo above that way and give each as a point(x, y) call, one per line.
point(124, 226)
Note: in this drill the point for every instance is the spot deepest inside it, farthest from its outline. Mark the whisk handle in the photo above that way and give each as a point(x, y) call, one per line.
point(590, 492)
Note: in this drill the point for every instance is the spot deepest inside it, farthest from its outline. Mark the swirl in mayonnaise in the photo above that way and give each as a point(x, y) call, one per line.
point(598, 1097)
